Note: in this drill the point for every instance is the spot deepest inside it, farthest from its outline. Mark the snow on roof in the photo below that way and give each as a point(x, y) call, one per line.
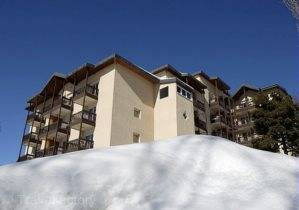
point(187, 172)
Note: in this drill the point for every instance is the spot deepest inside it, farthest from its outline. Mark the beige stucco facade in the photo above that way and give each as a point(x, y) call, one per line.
point(112, 103)
point(121, 91)
point(165, 113)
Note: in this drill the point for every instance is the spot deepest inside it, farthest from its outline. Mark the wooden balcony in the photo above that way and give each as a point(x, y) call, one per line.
point(30, 137)
point(215, 105)
point(53, 150)
point(244, 109)
point(219, 121)
point(200, 105)
point(87, 119)
point(39, 153)
point(35, 117)
point(244, 126)
point(78, 144)
point(25, 157)
point(65, 103)
point(200, 124)
point(49, 151)
point(90, 94)
point(60, 127)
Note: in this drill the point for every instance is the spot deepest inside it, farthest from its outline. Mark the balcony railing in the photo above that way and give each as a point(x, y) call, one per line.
point(216, 119)
point(89, 90)
point(31, 137)
point(223, 134)
point(246, 124)
point(200, 124)
point(47, 108)
point(60, 126)
point(26, 157)
point(36, 116)
point(64, 102)
point(78, 144)
point(85, 116)
point(218, 102)
point(39, 153)
point(244, 107)
point(200, 105)
point(51, 150)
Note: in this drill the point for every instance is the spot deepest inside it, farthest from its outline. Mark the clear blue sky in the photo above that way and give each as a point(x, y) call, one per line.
point(249, 41)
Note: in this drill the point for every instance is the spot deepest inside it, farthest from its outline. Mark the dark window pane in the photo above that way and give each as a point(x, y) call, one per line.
point(164, 92)
point(178, 89)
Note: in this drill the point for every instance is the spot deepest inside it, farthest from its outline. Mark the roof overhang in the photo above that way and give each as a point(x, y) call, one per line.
point(183, 77)
point(242, 89)
point(177, 81)
point(274, 86)
point(57, 80)
point(82, 72)
point(216, 81)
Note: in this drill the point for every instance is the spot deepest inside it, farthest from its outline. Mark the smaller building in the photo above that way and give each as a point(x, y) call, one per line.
point(218, 105)
point(244, 106)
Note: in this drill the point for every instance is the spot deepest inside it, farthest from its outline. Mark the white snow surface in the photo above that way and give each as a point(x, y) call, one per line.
point(188, 172)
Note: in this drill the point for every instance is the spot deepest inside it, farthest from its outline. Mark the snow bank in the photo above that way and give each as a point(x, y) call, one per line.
point(188, 172)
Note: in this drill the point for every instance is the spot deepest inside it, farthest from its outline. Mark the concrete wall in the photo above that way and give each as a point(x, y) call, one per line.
point(185, 116)
point(102, 133)
point(132, 91)
point(166, 113)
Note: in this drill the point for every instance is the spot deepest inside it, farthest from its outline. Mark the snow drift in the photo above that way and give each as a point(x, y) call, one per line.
point(188, 172)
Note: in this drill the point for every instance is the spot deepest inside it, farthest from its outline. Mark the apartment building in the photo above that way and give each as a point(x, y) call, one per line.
point(116, 102)
point(243, 107)
point(111, 103)
point(218, 105)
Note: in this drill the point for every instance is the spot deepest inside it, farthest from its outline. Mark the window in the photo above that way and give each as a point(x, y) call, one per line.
point(185, 115)
point(92, 110)
point(179, 89)
point(89, 137)
point(137, 113)
point(184, 93)
point(164, 92)
point(136, 138)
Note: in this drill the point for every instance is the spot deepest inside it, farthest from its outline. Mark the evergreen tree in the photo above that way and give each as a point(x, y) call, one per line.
point(276, 120)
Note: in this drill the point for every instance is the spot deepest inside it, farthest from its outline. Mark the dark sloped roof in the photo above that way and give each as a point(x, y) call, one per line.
point(241, 90)
point(121, 60)
point(220, 83)
point(167, 67)
point(56, 79)
point(185, 77)
point(80, 73)
point(274, 86)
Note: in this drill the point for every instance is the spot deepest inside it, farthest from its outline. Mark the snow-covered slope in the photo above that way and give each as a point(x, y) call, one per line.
point(188, 172)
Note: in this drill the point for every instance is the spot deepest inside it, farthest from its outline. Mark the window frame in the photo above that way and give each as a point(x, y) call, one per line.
point(161, 91)
point(184, 93)
point(134, 135)
point(138, 111)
